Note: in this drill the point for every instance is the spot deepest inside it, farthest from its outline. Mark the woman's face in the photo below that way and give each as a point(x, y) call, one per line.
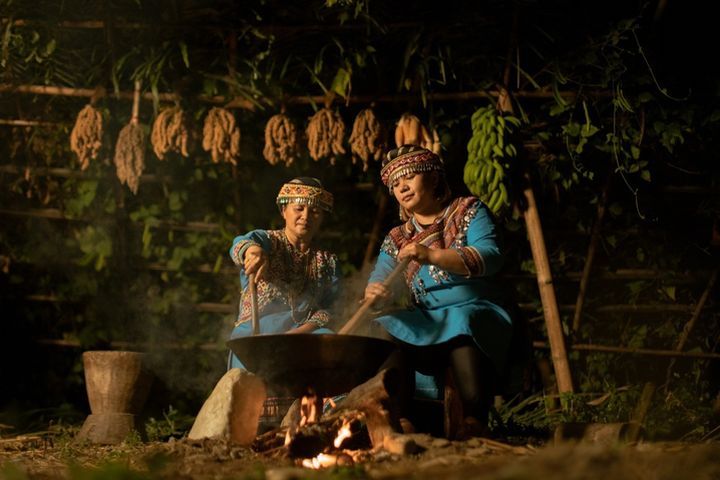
point(302, 220)
point(414, 191)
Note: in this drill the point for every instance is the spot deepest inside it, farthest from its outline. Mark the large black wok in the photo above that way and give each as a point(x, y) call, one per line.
point(331, 364)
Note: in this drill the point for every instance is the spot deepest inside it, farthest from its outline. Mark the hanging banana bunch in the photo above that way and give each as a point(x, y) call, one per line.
point(325, 133)
point(86, 135)
point(130, 148)
point(366, 140)
point(221, 136)
point(170, 133)
point(490, 156)
point(281, 145)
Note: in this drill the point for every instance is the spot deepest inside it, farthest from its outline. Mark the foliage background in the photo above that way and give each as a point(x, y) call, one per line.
point(618, 90)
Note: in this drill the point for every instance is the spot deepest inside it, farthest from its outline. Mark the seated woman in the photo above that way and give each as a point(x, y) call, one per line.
point(456, 319)
point(296, 283)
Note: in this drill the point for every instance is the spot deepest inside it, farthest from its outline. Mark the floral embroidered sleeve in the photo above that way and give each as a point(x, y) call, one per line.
point(242, 242)
point(481, 253)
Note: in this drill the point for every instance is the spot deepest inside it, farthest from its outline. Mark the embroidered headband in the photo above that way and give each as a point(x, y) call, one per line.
point(408, 159)
point(296, 191)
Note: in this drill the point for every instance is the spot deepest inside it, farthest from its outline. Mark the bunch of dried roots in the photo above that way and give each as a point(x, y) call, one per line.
point(130, 154)
point(411, 131)
point(86, 135)
point(325, 133)
point(281, 143)
point(367, 139)
point(170, 133)
point(221, 136)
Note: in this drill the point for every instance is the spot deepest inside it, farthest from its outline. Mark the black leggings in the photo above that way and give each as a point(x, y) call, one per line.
point(473, 371)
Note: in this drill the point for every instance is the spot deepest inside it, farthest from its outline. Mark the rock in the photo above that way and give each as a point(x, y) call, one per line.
point(232, 410)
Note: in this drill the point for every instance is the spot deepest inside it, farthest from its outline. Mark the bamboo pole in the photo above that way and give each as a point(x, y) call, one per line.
point(533, 226)
point(58, 91)
point(53, 90)
point(594, 237)
point(640, 412)
point(29, 123)
point(212, 346)
point(691, 323)
point(547, 292)
point(590, 347)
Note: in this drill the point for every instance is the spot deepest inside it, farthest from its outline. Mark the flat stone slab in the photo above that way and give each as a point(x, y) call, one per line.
point(232, 410)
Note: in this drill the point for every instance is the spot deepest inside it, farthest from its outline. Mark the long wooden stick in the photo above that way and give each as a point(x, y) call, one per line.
point(68, 343)
point(590, 347)
point(297, 100)
point(691, 324)
point(594, 238)
point(254, 315)
point(355, 320)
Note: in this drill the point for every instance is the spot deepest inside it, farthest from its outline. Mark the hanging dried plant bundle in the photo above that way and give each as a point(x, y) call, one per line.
point(366, 140)
point(280, 140)
point(221, 136)
point(86, 135)
point(170, 133)
point(130, 155)
point(130, 148)
point(325, 135)
point(410, 131)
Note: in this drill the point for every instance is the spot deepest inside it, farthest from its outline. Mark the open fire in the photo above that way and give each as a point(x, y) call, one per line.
point(359, 426)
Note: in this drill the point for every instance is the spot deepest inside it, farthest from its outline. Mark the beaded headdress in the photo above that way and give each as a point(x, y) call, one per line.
point(408, 159)
point(306, 191)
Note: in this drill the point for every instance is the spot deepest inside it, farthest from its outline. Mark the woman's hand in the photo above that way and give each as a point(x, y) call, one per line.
point(376, 291)
point(255, 261)
point(417, 252)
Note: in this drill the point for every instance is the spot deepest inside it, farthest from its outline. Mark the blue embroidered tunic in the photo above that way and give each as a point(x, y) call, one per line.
point(447, 305)
point(297, 288)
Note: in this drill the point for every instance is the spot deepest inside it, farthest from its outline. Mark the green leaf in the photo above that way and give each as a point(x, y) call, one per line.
point(341, 82)
point(616, 209)
point(669, 291)
point(50, 47)
point(184, 53)
point(645, 175)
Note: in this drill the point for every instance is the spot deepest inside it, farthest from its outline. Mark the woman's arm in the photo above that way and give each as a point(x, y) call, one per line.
point(384, 265)
point(251, 251)
point(481, 256)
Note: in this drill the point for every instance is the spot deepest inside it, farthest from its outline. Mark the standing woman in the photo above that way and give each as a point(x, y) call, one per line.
point(456, 319)
point(296, 283)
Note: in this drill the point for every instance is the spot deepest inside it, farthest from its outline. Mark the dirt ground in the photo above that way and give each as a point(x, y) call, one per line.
point(41, 457)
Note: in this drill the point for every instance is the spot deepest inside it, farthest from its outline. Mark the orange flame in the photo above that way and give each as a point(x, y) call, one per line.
point(343, 433)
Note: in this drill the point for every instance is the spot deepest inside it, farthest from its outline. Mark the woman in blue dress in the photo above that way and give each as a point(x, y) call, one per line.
point(456, 319)
point(296, 282)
